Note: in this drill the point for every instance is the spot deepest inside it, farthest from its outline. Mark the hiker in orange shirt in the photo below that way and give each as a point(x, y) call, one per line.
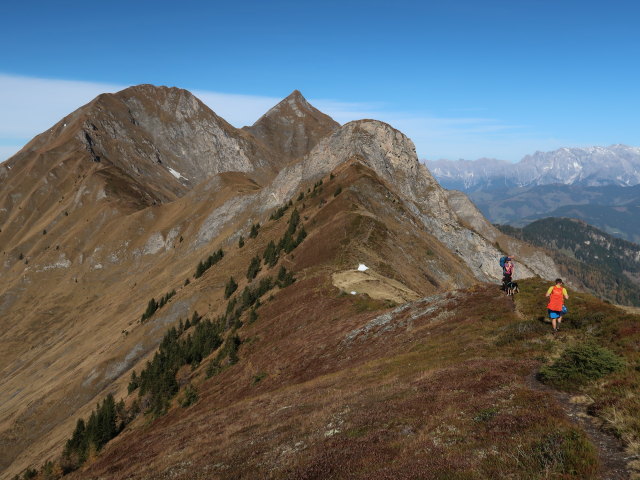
point(557, 295)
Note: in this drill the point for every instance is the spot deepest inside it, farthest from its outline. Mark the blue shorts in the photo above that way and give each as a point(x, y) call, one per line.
point(554, 314)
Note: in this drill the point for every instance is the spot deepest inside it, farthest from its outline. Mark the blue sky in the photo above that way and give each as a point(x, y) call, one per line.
point(464, 79)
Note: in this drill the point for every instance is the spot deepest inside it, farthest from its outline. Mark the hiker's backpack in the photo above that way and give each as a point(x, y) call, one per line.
point(503, 260)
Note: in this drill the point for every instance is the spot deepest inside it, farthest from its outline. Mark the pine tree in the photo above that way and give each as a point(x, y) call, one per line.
point(293, 221)
point(286, 242)
point(152, 306)
point(302, 234)
point(230, 287)
point(200, 269)
point(270, 254)
point(133, 383)
point(254, 268)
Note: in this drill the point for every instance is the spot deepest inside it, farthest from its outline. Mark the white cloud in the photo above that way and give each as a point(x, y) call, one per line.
point(29, 106)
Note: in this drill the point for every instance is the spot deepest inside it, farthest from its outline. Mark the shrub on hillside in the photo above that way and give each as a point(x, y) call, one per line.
point(579, 365)
point(255, 229)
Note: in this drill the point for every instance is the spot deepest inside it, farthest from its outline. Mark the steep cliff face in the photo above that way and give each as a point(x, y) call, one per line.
point(529, 260)
point(392, 156)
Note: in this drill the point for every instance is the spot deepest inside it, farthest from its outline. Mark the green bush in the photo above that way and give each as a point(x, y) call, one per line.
point(579, 365)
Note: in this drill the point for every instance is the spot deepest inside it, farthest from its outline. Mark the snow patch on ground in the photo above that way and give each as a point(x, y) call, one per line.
point(176, 174)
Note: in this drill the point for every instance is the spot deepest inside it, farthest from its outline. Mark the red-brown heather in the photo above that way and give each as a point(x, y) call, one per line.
point(418, 367)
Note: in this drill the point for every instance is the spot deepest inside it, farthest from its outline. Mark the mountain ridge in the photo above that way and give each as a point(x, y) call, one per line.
point(91, 266)
point(589, 166)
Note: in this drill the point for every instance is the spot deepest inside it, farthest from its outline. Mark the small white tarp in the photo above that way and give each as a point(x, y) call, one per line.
point(362, 267)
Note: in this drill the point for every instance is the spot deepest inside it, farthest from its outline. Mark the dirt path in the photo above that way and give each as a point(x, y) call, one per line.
point(613, 459)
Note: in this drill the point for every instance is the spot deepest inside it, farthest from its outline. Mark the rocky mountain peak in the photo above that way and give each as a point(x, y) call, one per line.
point(587, 166)
point(292, 127)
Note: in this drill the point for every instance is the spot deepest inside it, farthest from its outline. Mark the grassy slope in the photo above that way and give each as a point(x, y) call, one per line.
point(329, 387)
point(436, 393)
point(590, 321)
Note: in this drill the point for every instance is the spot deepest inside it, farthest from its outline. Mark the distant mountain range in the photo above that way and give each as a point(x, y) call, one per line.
point(592, 166)
point(599, 185)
